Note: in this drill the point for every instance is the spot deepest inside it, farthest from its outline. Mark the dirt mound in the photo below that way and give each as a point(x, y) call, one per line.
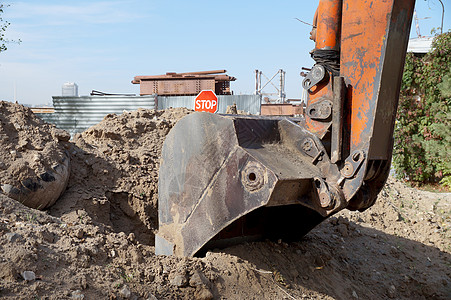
point(34, 165)
point(115, 172)
point(97, 240)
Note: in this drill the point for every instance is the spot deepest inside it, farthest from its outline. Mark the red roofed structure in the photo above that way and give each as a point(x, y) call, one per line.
point(185, 84)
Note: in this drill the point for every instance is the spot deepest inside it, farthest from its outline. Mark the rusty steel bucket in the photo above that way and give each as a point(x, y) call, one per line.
point(225, 179)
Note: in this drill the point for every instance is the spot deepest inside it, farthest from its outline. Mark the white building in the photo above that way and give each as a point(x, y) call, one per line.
point(420, 45)
point(70, 89)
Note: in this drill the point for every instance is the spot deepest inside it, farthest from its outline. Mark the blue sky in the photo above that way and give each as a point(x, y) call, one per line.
point(102, 45)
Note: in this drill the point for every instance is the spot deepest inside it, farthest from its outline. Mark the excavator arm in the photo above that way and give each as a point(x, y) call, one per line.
point(227, 178)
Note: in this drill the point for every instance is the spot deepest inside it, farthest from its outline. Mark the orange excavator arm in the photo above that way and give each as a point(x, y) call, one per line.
point(362, 45)
point(228, 178)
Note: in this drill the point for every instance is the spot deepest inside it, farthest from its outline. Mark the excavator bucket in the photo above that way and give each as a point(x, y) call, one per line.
point(225, 179)
point(245, 171)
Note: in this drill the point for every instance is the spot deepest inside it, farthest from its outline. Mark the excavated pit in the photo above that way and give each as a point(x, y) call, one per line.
point(115, 172)
point(128, 215)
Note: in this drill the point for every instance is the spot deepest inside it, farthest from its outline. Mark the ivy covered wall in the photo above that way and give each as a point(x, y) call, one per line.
point(422, 150)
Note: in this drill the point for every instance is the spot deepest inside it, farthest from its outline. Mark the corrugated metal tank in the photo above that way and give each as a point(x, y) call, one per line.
point(76, 114)
point(247, 103)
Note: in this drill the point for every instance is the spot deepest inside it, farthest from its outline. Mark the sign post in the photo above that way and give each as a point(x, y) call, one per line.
point(206, 101)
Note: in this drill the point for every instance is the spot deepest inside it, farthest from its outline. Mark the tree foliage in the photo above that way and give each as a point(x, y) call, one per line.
point(3, 26)
point(422, 152)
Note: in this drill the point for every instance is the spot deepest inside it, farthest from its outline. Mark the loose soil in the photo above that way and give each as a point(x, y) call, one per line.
point(97, 240)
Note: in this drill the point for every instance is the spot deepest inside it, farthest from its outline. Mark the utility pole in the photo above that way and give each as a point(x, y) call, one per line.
point(282, 86)
point(417, 23)
point(443, 14)
point(15, 93)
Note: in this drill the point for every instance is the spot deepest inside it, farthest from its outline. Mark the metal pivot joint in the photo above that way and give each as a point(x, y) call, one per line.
point(327, 199)
point(320, 110)
point(315, 76)
point(352, 164)
point(253, 176)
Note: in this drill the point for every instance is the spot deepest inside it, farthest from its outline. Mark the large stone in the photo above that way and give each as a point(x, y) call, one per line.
point(203, 293)
point(125, 292)
point(198, 278)
point(77, 295)
point(28, 275)
point(179, 280)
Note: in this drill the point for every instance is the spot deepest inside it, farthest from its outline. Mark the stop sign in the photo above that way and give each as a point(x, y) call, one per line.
point(206, 101)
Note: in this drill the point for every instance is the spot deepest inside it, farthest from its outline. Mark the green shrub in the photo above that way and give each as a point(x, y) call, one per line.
point(422, 152)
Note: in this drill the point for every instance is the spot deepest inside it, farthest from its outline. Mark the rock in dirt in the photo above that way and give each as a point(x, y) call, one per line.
point(78, 232)
point(131, 237)
point(198, 278)
point(179, 280)
point(391, 291)
point(28, 275)
point(77, 295)
point(46, 235)
point(12, 236)
point(125, 292)
point(203, 293)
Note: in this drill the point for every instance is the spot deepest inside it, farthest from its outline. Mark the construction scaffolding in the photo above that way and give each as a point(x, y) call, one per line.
point(280, 89)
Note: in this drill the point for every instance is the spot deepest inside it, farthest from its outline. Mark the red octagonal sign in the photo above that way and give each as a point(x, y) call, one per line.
point(206, 101)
